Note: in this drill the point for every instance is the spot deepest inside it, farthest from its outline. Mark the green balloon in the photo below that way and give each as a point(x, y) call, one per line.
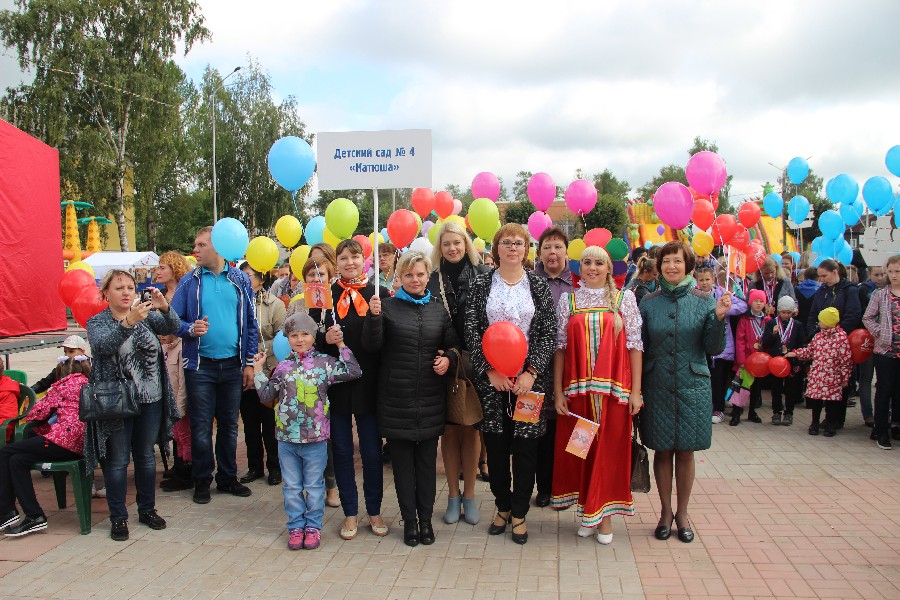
point(341, 218)
point(483, 218)
point(617, 249)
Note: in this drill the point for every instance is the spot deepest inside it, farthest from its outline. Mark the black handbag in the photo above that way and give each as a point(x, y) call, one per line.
point(640, 462)
point(108, 400)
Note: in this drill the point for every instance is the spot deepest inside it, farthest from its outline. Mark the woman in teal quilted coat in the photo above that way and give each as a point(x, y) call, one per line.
point(681, 326)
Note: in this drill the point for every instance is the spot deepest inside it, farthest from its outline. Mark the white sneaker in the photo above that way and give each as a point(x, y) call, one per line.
point(585, 531)
point(716, 418)
point(604, 538)
point(101, 493)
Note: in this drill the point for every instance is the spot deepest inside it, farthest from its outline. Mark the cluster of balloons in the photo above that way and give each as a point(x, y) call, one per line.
point(78, 290)
point(677, 204)
point(761, 364)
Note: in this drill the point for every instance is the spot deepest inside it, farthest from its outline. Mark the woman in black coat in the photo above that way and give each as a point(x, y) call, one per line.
point(456, 265)
point(351, 400)
point(414, 334)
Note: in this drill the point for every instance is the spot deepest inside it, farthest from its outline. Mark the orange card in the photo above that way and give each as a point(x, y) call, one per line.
point(317, 295)
point(737, 263)
point(582, 437)
point(528, 407)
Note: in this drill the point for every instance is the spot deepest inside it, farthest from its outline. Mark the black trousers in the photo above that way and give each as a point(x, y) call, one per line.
point(790, 388)
point(887, 392)
point(259, 431)
point(545, 459)
point(415, 477)
point(721, 375)
point(15, 472)
point(512, 490)
point(832, 410)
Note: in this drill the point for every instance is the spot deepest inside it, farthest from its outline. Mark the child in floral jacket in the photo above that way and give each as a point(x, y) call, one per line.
point(298, 389)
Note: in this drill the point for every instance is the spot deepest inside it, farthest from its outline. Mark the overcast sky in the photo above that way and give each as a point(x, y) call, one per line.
point(554, 86)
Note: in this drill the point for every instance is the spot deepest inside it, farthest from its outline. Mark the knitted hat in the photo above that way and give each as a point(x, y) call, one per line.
point(830, 316)
point(299, 321)
point(756, 295)
point(787, 303)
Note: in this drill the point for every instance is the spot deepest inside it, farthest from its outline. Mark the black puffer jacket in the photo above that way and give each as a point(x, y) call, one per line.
point(412, 402)
point(456, 299)
point(844, 296)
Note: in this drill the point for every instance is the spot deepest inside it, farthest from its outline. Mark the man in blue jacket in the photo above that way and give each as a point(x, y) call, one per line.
point(219, 333)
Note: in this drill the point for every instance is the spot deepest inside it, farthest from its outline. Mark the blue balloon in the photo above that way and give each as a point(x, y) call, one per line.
point(845, 254)
point(291, 162)
point(230, 238)
point(797, 170)
point(886, 208)
point(831, 248)
point(796, 256)
point(384, 234)
point(773, 204)
point(818, 260)
point(575, 266)
point(315, 230)
point(776, 257)
point(648, 244)
point(851, 213)
point(831, 224)
point(892, 160)
point(816, 244)
point(798, 209)
point(844, 189)
point(877, 193)
point(281, 348)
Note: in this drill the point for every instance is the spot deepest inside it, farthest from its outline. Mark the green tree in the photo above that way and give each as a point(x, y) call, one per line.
point(666, 174)
point(608, 184)
point(609, 213)
point(518, 211)
point(99, 66)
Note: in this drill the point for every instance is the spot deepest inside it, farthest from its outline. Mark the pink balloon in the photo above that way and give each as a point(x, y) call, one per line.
point(541, 191)
point(674, 204)
point(457, 206)
point(486, 185)
point(705, 172)
point(538, 223)
point(581, 196)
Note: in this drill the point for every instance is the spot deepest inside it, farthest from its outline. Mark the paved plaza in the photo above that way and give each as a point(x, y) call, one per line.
point(777, 514)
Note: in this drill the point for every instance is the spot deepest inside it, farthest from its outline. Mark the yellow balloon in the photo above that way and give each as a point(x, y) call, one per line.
point(576, 247)
point(372, 239)
point(702, 243)
point(479, 244)
point(433, 232)
point(80, 264)
point(330, 239)
point(531, 253)
point(298, 258)
point(191, 259)
point(262, 254)
point(288, 231)
point(456, 219)
point(297, 297)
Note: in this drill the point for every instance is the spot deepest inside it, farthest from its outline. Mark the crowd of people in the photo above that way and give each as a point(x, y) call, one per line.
point(664, 347)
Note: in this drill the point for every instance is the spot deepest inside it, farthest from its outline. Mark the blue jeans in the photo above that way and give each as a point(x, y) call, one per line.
point(136, 439)
point(215, 393)
point(302, 466)
point(344, 470)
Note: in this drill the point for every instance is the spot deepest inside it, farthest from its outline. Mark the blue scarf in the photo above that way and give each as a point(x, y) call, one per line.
point(403, 295)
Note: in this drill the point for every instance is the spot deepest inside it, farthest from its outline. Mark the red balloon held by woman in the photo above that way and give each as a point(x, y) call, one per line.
point(443, 204)
point(741, 237)
point(505, 348)
point(703, 214)
point(758, 364)
point(87, 304)
point(723, 229)
point(402, 228)
point(422, 201)
point(862, 345)
point(748, 214)
point(72, 284)
point(779, 366)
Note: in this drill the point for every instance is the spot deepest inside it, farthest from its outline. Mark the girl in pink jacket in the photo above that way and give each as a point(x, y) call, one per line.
point(61, 441)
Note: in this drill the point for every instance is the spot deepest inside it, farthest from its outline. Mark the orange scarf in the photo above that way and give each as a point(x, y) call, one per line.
point(351, 293)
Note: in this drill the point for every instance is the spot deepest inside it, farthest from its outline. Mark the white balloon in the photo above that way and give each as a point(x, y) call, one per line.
point(422, 245)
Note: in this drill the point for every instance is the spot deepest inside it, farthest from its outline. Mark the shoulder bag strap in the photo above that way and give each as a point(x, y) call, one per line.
point(444, 295)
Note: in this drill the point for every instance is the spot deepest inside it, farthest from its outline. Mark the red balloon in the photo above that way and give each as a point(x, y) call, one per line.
point(72, 284)
point(597, 237)
point(779, 366)
point(714, 197)
point(740, 238)
point(723, 229)
point(505, 348)
point(704, 214)
point(402, 228)
point(443, 204)
point(749, 214)
point(756, 257)
point(758, 364)
point(423, 201)
point(87, 304)
point(862, 345)
point(366, 244)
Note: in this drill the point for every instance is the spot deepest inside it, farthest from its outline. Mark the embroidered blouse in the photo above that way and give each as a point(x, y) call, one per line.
point(595, 298)
point(511, 303)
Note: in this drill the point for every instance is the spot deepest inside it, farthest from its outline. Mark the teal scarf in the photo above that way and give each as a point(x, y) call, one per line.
point(403, 295)
point(687, 281)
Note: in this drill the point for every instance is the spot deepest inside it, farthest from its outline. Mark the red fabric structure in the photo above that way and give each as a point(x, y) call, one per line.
point(31, 261)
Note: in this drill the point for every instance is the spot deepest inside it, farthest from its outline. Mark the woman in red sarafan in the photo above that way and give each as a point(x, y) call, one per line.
point(597, 376)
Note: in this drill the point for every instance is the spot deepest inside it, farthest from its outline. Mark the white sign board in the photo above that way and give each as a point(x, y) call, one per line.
point(373, 159)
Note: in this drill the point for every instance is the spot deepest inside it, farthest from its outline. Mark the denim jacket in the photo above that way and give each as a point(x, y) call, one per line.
point(299, 389)
point(186, 303)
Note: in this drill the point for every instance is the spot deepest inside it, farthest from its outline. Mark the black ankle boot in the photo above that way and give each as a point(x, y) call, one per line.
point(411, 533)
point(735, 416)
point(426, 532)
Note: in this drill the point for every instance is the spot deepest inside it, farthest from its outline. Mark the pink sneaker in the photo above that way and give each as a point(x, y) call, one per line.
point(311, 538)
point(295, 541)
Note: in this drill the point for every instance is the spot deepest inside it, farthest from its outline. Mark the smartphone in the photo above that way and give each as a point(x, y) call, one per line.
point(146, 295)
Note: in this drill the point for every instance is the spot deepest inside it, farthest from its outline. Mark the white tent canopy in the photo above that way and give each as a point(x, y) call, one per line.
point(102, 262)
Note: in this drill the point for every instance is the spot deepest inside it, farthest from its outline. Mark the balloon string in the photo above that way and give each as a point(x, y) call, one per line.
point(581, 214)
point(294, 200)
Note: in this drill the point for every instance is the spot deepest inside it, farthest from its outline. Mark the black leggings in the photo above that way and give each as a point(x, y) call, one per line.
point(832, 410)
point(15, 472)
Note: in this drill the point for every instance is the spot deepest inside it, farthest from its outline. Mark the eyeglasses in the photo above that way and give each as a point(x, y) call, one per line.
point(518, 244)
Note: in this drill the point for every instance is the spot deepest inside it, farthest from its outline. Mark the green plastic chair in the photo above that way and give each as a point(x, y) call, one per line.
point(26, 401)
point(20, 376)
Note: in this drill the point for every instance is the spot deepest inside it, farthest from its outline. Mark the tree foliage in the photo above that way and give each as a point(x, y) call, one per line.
point(102, 70)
